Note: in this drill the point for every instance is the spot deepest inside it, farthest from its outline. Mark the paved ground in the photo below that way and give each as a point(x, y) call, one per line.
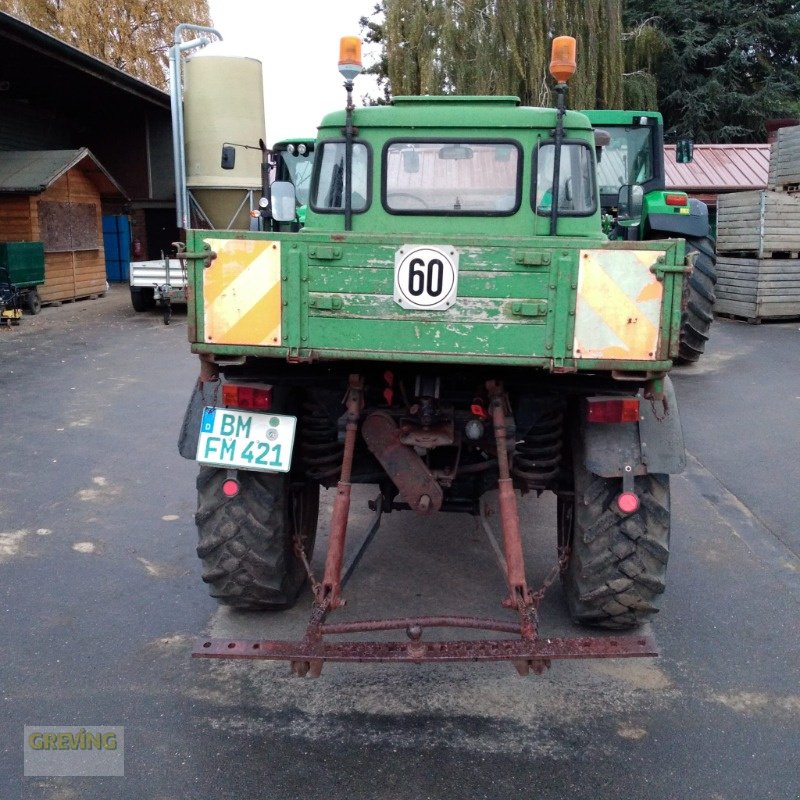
point(100, 599)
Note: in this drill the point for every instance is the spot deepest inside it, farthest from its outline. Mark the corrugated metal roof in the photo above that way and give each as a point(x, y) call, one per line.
point(33, 171)
point(719, 168)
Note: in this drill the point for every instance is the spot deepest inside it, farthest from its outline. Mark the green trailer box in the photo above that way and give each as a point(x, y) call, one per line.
point(22, 263)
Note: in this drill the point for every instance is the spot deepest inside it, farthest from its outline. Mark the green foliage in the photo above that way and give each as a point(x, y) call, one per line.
point(132, 35)
point(491, 47)
point(723, 68)
point(372, 31)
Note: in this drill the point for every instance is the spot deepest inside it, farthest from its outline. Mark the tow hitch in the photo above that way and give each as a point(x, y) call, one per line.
point(522, 645)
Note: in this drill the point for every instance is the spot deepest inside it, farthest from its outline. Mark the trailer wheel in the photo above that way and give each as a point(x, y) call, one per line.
point(698, 314)
point(617, 562)
point(246, 541)
point(33, 302)
point(142, 298)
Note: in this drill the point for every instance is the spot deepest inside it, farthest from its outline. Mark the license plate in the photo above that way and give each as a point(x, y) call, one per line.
point(244, 440)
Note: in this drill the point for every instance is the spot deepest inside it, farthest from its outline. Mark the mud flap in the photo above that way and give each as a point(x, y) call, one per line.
point(205, 393)
point(654, 445)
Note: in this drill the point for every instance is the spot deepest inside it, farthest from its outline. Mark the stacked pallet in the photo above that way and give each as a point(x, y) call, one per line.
point(758, 241)
point(784, 161)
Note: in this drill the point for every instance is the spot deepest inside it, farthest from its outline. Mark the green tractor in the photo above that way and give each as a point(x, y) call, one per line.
point(634, 156)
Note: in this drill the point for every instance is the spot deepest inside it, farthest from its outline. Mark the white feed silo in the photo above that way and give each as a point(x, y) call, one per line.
point(223, 102)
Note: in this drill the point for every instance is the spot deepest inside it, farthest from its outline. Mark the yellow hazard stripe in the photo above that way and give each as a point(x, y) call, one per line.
point(242, 293)
point(626, 321)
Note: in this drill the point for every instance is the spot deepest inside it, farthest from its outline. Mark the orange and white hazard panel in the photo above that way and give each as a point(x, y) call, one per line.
point(618, 311)
point(242, 293)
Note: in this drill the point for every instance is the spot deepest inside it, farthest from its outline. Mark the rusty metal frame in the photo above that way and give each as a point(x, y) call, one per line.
point(528, 653)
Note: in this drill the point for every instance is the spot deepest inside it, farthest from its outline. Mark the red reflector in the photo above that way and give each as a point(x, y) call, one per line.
point(676, 200)
point(230, 487)
point(249, 397)
point(479, 411)
point(622, 410)
point(628, 502)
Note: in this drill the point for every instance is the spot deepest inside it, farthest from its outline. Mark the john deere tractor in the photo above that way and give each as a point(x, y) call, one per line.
point(634, 154)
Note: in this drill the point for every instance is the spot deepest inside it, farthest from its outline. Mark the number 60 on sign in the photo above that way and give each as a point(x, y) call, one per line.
point(426, 277)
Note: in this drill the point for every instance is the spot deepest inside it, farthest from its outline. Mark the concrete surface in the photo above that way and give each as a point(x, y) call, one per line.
point(100, 600)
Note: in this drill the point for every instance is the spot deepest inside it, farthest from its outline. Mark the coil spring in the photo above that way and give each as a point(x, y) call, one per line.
point(537, 459)
point(320, 447)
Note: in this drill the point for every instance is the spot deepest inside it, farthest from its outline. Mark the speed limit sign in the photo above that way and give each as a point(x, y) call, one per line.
point(426, 276)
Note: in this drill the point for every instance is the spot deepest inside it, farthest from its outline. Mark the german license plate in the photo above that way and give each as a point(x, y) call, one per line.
point(244, 440)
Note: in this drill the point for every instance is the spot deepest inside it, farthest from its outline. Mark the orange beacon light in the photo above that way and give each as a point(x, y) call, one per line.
point(562, 58)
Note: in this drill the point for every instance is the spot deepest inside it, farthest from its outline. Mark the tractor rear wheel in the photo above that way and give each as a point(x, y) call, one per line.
point(617, 562)
point(246, 542)
point(698, 314)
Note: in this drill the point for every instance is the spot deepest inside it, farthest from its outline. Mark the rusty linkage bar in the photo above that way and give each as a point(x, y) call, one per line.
point(528, 652)
point(328, 596)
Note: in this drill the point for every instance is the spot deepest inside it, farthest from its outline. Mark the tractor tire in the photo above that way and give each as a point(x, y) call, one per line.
point(698, 313)
point(142, 298)
point(33, 303)
point(246, 542)
point(617, 562)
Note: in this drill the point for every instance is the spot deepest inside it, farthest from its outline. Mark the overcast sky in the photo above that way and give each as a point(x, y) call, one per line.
point(298, 44)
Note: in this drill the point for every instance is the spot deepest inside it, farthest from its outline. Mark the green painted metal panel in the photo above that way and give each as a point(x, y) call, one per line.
point(22, 263)
point(516, 300)
point(482, 339)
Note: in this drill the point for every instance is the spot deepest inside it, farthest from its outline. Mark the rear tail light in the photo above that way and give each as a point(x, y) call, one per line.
point(252, 398)
point(622, 409)
point(676, 200)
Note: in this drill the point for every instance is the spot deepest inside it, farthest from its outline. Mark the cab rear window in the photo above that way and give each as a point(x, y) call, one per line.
point(452, 177)
point(576, 184)
point(328, 189)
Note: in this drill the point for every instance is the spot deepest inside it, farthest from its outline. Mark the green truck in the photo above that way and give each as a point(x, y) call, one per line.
point(451, 320)
point(635, 155)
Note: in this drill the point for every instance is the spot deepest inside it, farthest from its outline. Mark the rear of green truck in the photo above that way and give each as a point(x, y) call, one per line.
point(436, 339)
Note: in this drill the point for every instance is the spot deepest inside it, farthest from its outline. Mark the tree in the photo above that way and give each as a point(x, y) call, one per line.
point(723, 67)
point(498, 47)
point(132, 35)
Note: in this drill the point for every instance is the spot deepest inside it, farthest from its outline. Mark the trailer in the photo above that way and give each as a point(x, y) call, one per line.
point(159, 282)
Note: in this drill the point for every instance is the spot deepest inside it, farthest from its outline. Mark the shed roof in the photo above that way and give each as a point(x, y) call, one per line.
point(33, 171)
point(718, 168)
point(46, 45)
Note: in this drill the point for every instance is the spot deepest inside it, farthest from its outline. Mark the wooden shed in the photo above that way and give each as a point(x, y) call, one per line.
point(55, 196)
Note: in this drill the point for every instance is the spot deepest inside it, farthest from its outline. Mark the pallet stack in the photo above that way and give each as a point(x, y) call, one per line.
point(758, 241)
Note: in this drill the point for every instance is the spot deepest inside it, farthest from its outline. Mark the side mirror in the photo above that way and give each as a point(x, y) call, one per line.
point(629, 204)
point(284, 203)
point(601, 139)
point(228, 160)
point(684, 151)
